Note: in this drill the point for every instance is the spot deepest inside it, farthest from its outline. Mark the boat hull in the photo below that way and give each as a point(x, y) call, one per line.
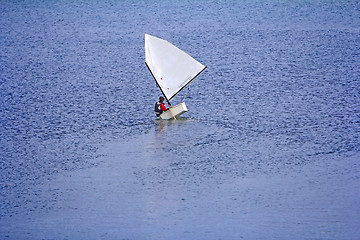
point(174, 111)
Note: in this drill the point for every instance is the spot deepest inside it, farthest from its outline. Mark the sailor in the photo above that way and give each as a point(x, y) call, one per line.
point(160, 107)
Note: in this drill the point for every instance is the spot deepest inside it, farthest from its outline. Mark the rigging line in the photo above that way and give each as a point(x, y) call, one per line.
point(186, 94)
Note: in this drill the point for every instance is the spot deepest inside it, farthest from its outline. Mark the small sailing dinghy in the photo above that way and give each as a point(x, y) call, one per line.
point(172, 69)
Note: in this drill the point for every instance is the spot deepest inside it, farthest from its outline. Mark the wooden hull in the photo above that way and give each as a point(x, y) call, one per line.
point(174, 111)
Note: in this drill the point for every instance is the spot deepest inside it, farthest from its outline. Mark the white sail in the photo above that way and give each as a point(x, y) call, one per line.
point(171, 67)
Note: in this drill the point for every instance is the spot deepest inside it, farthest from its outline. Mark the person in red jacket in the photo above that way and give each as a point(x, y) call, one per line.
point(160, 107)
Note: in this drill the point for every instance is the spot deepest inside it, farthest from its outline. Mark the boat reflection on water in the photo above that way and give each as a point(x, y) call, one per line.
point(162, 125)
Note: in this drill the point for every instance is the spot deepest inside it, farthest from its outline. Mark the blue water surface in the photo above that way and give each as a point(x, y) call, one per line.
point(269, 149)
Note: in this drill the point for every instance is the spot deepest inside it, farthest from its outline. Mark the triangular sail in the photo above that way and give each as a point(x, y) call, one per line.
point(171, 67)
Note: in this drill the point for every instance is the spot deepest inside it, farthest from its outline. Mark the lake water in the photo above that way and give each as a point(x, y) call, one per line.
point(269, 149)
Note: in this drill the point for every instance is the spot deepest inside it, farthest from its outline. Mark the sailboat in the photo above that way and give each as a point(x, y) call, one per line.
point(173, 70)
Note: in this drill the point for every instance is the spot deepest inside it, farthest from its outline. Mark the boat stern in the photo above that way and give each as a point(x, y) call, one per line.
point(174, 111)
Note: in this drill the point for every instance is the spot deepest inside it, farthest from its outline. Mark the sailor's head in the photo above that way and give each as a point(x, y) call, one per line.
point(161, 99)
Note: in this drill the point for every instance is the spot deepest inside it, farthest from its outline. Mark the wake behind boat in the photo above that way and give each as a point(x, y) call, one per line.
point(173, 70)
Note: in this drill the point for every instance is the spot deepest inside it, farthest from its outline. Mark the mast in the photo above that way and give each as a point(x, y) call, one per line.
point(158, 84)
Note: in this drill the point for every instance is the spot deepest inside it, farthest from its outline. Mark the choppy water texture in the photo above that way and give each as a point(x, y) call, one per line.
point(268, 150)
